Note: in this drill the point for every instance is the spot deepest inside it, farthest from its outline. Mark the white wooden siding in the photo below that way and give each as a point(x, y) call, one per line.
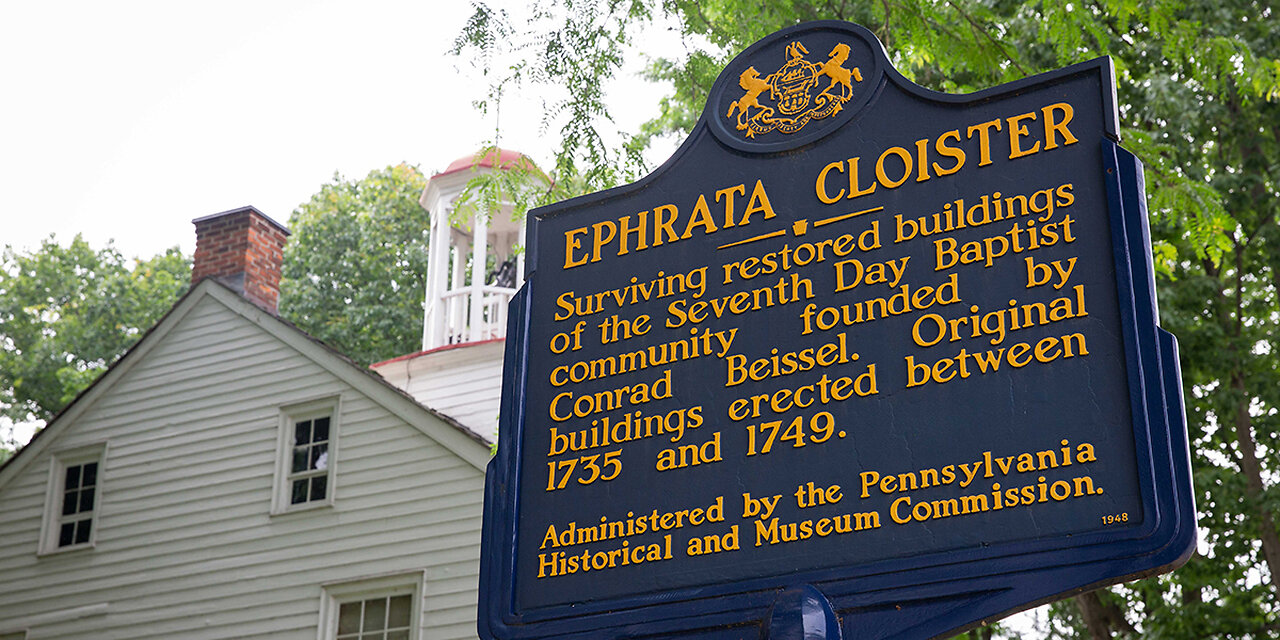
point(185, 544)
point(463, 382)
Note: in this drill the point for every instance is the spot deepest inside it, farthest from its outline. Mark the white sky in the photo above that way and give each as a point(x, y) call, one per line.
point(125, 120)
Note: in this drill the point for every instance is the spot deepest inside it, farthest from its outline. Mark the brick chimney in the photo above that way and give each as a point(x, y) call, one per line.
point(243, 249)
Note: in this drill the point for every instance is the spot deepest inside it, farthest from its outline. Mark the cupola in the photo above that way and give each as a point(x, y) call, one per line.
point(476, 259)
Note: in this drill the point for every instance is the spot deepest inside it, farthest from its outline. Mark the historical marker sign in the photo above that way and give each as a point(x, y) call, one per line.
point(859, 354)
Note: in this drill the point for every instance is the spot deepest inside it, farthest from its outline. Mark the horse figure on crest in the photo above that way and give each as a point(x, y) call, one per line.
point(751, 83)
point(834, 68)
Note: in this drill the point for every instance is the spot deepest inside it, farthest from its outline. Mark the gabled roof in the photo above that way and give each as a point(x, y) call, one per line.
point(439, 349)
point(437, 426)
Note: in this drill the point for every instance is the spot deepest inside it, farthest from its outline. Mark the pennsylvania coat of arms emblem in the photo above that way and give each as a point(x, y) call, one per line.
point(796, 92)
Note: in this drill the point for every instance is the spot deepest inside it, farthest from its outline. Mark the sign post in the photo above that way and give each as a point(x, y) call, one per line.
point(861, 360)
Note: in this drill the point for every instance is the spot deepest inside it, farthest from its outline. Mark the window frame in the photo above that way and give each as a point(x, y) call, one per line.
point(51, 523)
point(289, 416)
point(335, 594)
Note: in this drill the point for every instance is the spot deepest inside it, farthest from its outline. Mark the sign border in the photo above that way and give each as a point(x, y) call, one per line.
point(949, 591)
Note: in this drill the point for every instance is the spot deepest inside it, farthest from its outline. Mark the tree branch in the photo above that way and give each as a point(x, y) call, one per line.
point(983, 30)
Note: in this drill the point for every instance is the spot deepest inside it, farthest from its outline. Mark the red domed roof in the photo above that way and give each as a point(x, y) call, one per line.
point(495, 158)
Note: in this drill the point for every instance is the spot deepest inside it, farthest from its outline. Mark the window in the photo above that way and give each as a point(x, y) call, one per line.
point(17, 635)
point(308, 449)
point(379, 608)
point(79, 489)
point(309, 461)
point(376, 618)
point(71, 507)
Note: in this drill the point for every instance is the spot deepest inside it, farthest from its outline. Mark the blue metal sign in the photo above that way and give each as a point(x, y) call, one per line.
point(860, 360)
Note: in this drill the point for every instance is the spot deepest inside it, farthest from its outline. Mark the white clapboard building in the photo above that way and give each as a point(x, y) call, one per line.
point(232, 477)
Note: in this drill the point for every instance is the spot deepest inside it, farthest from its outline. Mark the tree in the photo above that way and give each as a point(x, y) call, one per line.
point(1221, 297)
point(67, 312)
point(355, 266)
point(1198, 84)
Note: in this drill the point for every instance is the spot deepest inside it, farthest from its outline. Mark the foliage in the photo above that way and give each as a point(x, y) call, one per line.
point(355, 266)
point(1213, 110)
point(67, 312)
point(578, 55)
point(520, 184)
point(1199, 82)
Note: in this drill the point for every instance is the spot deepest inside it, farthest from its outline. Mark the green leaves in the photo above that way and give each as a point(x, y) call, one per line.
point(356, 263)
point(566, 48)
point(67, 312)
point(520, 183)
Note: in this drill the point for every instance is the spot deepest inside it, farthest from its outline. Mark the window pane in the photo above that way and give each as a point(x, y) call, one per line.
point(67, 534)
point(299, 492)
point(318, 488)
point(302, 432)
point(321, 432)
point(90, 476)
point(299, 459)
point(401, 607)
point(69, 502)
point(82, 531)
point(398, 635)
point(73, 478)
point(349, 617)
point(86, 499)
point(375, 614)
point(318, 456)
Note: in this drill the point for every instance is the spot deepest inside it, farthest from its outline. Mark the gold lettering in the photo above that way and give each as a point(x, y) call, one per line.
point(1016, 131)
point(983, 129)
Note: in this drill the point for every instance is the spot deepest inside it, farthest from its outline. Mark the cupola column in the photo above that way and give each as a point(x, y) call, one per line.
point(479, 269)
